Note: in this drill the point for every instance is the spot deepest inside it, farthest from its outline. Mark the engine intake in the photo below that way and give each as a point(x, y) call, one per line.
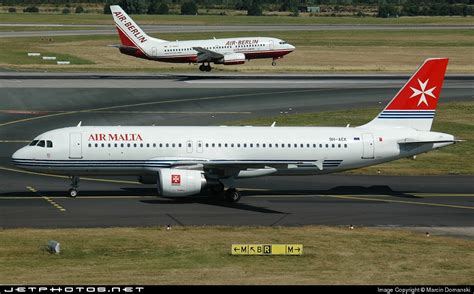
point(180, 182)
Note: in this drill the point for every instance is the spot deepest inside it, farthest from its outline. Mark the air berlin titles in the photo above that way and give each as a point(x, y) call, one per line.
point(115, 137)
point(129, 25)
point(241, 42)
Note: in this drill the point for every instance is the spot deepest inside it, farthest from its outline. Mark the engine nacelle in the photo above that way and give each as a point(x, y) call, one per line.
point(180, 182)
point(233, 58)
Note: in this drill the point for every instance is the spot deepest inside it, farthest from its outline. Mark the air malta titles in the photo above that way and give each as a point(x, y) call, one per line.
point(115, 137)
point(130, 27)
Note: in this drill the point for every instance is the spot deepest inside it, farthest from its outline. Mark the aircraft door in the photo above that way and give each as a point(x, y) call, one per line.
point(189, 146)
point(368, 147)
point(154, 52)
point(272, 46)
point(75, 145)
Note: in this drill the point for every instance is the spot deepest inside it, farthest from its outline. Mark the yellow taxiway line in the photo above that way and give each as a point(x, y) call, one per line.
point(50, 201)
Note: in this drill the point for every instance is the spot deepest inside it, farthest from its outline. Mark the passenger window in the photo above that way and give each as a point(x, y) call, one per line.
point(345, 145)
point(121, 145)
point(207, 145)
point(168, 145)
point(96, 145)
point(90, 145)
point(213, 145)
point(102, 145)
point(141, 145)
point(179, 145)
point(34, 142)
point(154, 145)
point(109, 145)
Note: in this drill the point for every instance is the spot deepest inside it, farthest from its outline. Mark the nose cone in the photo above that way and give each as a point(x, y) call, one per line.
point(291, 47)
point(20, 154)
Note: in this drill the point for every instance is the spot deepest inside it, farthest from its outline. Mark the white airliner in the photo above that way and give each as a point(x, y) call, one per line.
point(219, 51)
point(183, 161)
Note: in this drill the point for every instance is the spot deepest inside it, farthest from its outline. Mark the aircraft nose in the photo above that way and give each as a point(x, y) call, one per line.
point(291, 47)
point(20, 154)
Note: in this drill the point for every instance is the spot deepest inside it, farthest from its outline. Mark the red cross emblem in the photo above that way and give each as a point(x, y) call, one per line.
point(176, 179)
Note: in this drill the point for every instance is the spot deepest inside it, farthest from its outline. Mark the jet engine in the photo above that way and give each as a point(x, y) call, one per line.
point(233, 58)
point(180, 182)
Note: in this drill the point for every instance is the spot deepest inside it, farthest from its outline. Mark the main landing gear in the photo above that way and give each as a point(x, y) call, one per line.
point(274, 63)
point(205, 67)
point(230, 195)
point(74, 186)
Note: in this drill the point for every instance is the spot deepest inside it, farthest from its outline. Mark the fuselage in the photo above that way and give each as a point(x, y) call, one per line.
point(183, 52)
point(142, 150)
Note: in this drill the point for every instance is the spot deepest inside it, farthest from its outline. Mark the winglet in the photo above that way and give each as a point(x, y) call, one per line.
point(273, 124)
point(79, 124)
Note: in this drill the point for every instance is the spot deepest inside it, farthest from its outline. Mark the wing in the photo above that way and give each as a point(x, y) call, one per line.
point(230, 168)
point(207, 55)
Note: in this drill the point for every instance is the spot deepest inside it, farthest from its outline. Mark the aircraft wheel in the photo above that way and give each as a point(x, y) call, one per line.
point(232, 195)
point(274, 63)
point(208, 68)
point(72, 193)
point(202, 67)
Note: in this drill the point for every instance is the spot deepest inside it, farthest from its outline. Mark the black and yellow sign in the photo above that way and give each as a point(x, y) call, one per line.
point(267, 249)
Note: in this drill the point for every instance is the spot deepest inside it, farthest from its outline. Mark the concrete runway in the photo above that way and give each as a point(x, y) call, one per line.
point(110, 29)
point(32, 200)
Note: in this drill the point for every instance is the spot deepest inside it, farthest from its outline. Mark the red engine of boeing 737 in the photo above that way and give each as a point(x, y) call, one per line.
point(180, 182)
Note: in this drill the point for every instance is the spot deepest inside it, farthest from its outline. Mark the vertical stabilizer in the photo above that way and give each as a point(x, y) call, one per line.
point(131, 35)
point(415, 104)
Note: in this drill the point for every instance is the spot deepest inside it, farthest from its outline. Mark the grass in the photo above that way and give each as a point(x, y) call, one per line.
point(317, 51)
point(454, 118)
point(201, 255)
point(91, 19)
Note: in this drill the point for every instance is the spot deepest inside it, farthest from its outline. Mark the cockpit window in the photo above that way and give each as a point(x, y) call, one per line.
point(34, 142)
point(41, 143)
point(283, 43)
point(49, 144)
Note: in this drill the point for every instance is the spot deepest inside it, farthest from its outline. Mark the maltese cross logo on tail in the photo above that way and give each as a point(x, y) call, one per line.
point(422, 91)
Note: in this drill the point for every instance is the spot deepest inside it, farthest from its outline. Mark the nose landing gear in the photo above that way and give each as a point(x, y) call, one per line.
point(74, 186)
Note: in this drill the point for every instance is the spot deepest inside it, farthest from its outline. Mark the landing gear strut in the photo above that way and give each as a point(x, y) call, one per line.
point(274, 62)
point(205, 67)
point(74, 186)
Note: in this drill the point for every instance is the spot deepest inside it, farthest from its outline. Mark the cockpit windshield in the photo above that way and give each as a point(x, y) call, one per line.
point(283, 43)
point(42, 143)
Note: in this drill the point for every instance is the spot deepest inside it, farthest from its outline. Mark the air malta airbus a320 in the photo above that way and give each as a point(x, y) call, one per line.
point(183, 161)
point(219, 51)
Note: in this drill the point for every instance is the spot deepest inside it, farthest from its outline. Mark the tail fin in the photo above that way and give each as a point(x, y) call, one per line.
point(131, 35)
point(414, 105)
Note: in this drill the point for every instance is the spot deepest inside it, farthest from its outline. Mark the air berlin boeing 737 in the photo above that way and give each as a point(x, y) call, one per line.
point(182, 161)
point(219, 51)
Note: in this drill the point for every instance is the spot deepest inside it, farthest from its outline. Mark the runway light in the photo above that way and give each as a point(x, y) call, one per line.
point(168, 227)
point(379, 172)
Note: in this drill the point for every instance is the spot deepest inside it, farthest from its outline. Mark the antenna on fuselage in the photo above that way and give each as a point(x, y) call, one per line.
point(273, 124)
point(79, 124)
